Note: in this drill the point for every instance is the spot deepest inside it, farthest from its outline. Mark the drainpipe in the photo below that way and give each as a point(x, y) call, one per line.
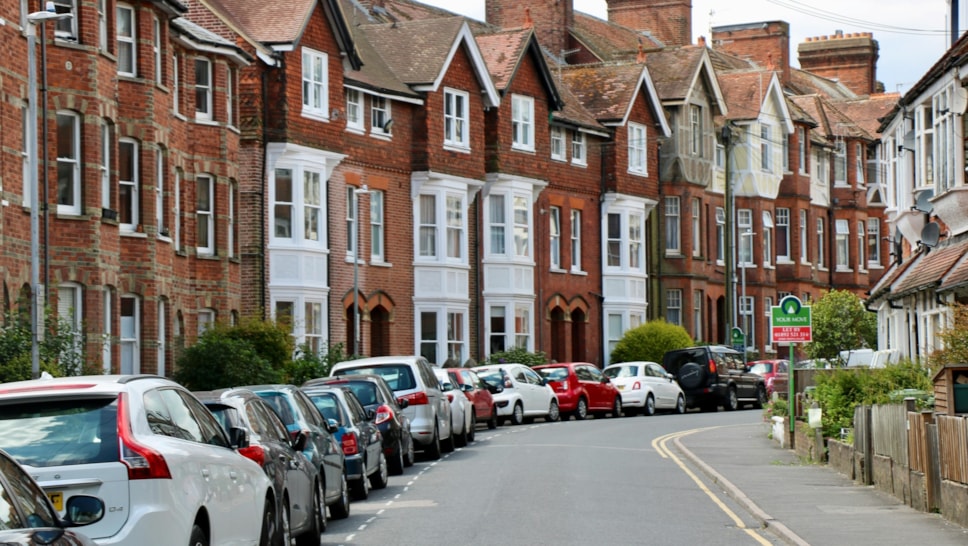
point(728, 255)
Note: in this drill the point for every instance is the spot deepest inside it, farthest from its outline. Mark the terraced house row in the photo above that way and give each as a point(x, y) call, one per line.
point(398, 179)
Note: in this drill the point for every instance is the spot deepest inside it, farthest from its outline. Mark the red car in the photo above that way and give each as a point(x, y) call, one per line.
point(479, 393)
point(581, 389)
point(770, 369)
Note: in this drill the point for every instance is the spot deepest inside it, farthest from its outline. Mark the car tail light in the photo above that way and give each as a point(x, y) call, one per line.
point(417, 398)
point(712, 366)
point(256, 453)
point(636, 386)
point(143, 462)
point(383, 414)
point(349, 444)
point(450, 397)
point(507, 382)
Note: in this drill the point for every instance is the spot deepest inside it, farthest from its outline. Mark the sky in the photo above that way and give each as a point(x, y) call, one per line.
point(911, 36)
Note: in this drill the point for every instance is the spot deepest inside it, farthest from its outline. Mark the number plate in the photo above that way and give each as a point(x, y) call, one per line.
point(57, 499)
point(621, 387)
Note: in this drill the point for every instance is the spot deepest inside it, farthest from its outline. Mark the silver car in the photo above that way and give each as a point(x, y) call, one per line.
point(412, 379)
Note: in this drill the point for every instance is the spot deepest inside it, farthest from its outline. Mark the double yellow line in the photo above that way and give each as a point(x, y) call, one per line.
point(661, 447)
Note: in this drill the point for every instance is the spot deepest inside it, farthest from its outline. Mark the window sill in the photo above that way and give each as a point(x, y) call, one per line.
point(874, 266)
point(581, 164)
point(843, 270)
point(356, 130)
point(674, 254)
point(579, 272)
point(375, 263)
point(359, 261)
point(206, 255)
point(457, 148)
point(561, 159)
point(315, 116)
point(522, 149)
point(133, 234)
point(206, 121)
point(638, 173)
point(380, 135)
point(784, 261)
point(557, 270)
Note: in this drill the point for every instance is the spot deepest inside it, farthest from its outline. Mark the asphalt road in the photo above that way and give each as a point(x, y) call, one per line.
point(594, 482)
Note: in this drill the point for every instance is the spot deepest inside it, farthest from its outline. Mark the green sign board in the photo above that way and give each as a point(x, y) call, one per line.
point(790, 322)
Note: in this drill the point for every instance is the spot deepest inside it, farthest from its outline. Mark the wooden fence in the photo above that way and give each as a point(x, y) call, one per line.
point(953, 448)
point(890, 437)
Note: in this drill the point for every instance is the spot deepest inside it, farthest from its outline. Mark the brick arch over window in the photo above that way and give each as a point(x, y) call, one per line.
point(380, 309)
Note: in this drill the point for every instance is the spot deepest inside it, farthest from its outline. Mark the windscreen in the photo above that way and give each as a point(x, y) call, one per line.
point(62, 432)
point(398, 376)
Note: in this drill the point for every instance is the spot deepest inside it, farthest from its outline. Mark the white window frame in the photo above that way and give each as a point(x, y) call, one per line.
point(377, 230)
point(65, 29)
point(786, 152)
point(203, 89)
point(104, 164)
point(205, 214)
point(445, 340)
point(313, 318)
point(579, 148)
point(441, 230)
point(747, 319)
point(859, 164)
point(575, 235)
point(842, 239)
point(176, 211)
point(522, 122)
point(673, 314)
point(352, 232)
point(72, 163)
point(697, 305)
point(306, 201)
point(107, 351)
point(315, 84)
point(861, 242)
point(130, 185)
point(380, 116)
point(767, 239)
point(231, 97)
point(802, 147)
point(456, 119)
point(637, 149)
point(205, 319)
point(873, 242)
point(161, 351)
point(130, 335)
point(804, 254)
point(720, 235)
point(840, 162)
point(156, 48)
point(558, 144)
point(820, 238)
point(102, 25)
point(25, 154)
point(232, 220)
point(509, 231)
point(613, 240)
point(783, 234)
point(354, 110)
point(70, 309)
point(695, 130)
point(671, 212)
point(766, 148)
point(744, 224)
point(554, 237)
point(160, 223)
point(175, 85)
point(696, 227)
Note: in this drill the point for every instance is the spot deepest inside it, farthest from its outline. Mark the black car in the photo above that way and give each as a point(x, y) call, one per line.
point(280, 456)
point(375, 395)
point(713, 376)
point(27, 517)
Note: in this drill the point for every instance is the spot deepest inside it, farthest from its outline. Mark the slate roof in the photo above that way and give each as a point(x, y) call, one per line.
point(808, 83)
point(609, 41)
point(673, 70)
point(374, 73)
point(202, 35)
point(574, 113)
point(415, 50)
point(831, 121)
point(606, 90)
point(745, 92)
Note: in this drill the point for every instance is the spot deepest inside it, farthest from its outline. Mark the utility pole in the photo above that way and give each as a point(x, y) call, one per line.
point(726, 137)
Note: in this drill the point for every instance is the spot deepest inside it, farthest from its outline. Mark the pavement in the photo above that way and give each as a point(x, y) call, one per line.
point(807, 503)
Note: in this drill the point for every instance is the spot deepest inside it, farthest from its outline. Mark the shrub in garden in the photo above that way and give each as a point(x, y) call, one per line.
point(517, 355)
point(310, 365)
point(218, 360)
point(650, 341)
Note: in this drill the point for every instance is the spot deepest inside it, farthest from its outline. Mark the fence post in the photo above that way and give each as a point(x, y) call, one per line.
point(932, 466)
point(868, 476)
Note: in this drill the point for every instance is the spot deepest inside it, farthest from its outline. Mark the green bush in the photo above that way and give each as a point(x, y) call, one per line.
point(61, 350)
point(217, 361)
point(518, 355)
point(839, 391)
point(650, 341)
point(309, 365)
point(270, 340)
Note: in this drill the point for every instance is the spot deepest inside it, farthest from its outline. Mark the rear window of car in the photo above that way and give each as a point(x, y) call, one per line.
point(398, 376)
point(227, 416)
point(64, 432)
point(328, 406)
point(365, 392)
point(762, 367)
point(494, 377)
point(554, 374)
point(280, 404)
point(621, 371)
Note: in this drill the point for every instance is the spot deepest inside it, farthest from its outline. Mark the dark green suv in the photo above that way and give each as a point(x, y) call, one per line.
point(713, 376)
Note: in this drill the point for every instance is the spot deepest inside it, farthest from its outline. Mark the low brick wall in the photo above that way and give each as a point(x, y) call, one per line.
point(954, 507)
point(808, 445)
point(919, 492)
point(901, 478)
point(840, 456)
point(883, 473)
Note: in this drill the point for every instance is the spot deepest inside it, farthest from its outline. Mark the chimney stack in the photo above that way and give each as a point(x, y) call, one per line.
point(848, 58)
point(552, 20)
point(669, 21)
point(766, 43)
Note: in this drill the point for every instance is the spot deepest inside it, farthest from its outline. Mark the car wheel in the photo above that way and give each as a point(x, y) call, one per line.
point(492, 422)
point(317, 523)
point(649, 408)
point(554, 413)
point(198, 537)
point(285, 532)
point(409, 457)
point(380, 478)
point(617, 407)
point(361, 486)
point(270, 527)
point(581, 411)
point(517, 416)
point(472, 433)
point(396, 463)
point(731, 402)
point(461, 439)
point(681, 404)
point(760, 397)
point(434, 449)
point(447, 445)
point(340, 510)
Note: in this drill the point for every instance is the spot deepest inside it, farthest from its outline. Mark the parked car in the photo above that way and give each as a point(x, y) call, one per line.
point(412, 379)
point(713, 376)
point(581, 389)
point(463, 421)
point(769, 369)
point(361, 441)
point(28, 516)
point(526, 394)
point(299, 492)
point(149, 449)
point(646, 387)
point(300, 416)
point(376, 396)
point(480, 394)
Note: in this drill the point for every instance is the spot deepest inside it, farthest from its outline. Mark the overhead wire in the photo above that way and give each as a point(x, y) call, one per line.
point(819, 13)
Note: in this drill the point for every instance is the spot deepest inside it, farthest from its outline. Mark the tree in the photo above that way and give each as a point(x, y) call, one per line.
point(651, 341)
point(840, 323)
point(954, 340)
point(218, 360)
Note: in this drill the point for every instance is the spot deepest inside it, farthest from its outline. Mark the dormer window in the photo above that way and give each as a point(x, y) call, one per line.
point(522, 123)
point(456, 119)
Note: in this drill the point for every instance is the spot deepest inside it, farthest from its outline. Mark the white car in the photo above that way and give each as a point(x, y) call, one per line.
point(462, 418)
point(646, 387)
point(526, 394)
point(160, 461)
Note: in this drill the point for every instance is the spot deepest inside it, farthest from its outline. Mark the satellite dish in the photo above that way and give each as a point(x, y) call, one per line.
point(930, 234)
point(923, 203)
point(959, 100)
point(908, 142)
point(898, 245)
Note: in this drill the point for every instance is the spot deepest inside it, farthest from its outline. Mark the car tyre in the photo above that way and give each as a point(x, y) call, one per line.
point(554, 413)
point(409, 457)
point(517, 415)
point(285, 532)
point(396, 464)
point(198, 537)
point(434, 449)
point(617, 407)
point(492, 422)
point(731, 402)
point(761, 399)
point(691, 375)
point(649, 408)
point(361, 486)
point(318, 524)
point(472, 433)
point(581, 411)
point(461, 439)
point(681, 405)
point(340, 510)
point(448, 445)
point(381, 477)
point(269, 536)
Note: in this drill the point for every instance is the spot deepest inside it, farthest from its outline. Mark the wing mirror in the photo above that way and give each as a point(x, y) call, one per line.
point(332, 426)
point(299, 440)
point(403, 403)
point(238, 437)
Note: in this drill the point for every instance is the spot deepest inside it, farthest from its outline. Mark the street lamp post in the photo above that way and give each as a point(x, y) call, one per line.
point(357, 338)
point(36, 296)
point(746, 324)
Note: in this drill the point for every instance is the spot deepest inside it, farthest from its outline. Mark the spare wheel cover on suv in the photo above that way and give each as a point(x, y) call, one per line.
point(691, 375)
